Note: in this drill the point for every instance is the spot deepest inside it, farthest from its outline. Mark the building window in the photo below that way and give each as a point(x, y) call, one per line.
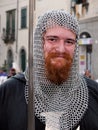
point(23, 18)
point(9, 32)
point(85, 35)
point(9, 59)
point(23, 59)
point(79, 1)
point(10, 29)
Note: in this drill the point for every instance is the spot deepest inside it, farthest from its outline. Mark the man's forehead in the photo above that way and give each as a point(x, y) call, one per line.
point(59, 31)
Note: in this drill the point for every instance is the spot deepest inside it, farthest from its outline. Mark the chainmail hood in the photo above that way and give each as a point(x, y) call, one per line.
point(62, 106)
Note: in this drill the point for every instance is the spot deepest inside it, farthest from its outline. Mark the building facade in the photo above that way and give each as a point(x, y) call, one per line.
point(14, 24)
point(87, 13)
point(13, 34)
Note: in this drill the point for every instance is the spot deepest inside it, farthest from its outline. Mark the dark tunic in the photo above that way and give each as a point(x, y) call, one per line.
point(13, 107)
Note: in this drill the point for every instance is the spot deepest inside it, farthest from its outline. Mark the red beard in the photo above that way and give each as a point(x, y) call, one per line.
point(58, 66)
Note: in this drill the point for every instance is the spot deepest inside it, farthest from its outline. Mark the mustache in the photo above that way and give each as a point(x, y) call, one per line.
point(64, 55)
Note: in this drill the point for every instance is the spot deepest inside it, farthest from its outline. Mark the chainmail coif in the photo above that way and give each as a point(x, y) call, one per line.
point(64, 105)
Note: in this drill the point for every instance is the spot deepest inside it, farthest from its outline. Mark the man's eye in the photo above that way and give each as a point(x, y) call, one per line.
point(52, 39)
point(70, 42)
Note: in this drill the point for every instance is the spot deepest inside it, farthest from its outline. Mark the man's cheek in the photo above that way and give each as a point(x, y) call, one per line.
point(46, 48)
point(46, 51)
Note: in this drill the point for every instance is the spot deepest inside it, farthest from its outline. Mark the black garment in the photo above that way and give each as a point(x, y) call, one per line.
point(13, 107)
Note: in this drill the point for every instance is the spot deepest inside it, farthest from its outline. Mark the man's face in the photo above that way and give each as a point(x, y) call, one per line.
point(59, 46)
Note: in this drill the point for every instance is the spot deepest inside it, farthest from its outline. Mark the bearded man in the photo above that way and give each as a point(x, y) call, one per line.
point(63, 99)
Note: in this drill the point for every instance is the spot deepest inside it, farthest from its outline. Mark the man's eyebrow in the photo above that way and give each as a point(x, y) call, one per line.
point(71, 39)
point(51, 36)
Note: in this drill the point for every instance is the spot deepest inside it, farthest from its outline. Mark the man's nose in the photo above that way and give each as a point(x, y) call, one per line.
point(61, 46)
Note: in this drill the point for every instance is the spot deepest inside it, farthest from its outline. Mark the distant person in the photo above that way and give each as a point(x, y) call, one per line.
point(88, 74)
point(3, 75)
point(96, 80)
point(12, 72)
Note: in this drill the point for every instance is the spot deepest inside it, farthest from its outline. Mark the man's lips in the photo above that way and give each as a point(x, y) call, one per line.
point(60, 55)
point(57, 59)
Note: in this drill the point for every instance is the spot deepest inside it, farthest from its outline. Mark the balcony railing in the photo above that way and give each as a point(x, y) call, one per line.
point(8, 37)
point(79, 9)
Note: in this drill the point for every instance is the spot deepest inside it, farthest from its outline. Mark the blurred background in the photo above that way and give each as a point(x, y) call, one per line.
point(14, 23)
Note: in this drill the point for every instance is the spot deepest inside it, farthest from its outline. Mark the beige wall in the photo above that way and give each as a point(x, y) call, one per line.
point(44, 5)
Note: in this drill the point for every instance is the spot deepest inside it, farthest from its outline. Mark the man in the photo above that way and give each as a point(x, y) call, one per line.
point(12, 72)
point(3, 75)
point(64, 100)
point(88, 74)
